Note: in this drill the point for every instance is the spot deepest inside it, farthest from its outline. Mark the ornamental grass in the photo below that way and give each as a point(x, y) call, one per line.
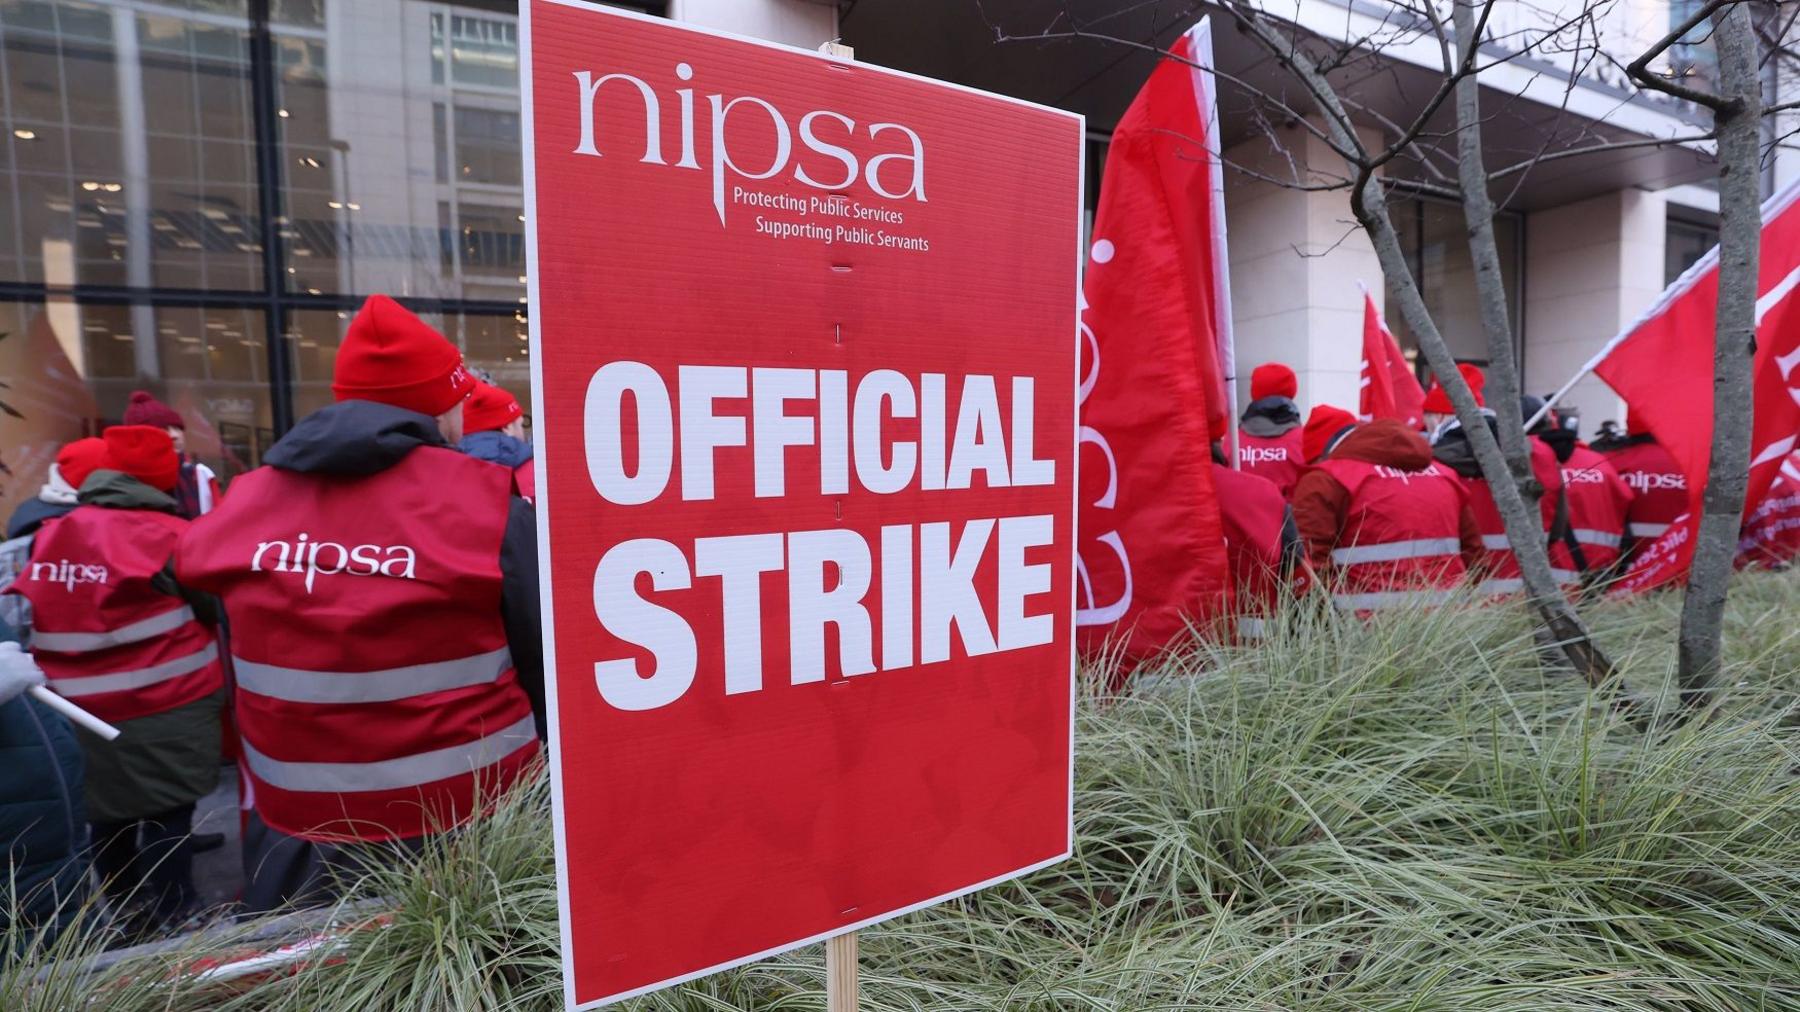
point(1423, 812)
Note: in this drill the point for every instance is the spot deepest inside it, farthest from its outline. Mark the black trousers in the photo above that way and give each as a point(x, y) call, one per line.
point(285, 871)
point(149, 863)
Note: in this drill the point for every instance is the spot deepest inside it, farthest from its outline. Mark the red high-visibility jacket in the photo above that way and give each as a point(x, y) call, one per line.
point(376, 694)
point(1401, 541)
point(106, 638)
point(1598, 501)
point(1661, 487)
point(1252, 512)
point(1498, 565)
point(1276, 458)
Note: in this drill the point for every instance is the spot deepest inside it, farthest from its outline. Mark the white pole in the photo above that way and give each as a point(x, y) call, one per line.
point(1206, 99)
point(1677, 288)
point(75, 713)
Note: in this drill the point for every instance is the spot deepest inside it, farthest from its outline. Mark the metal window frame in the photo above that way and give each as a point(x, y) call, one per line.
point(274, 301)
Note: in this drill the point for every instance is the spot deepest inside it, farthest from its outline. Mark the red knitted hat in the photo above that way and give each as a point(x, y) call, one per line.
point(1634, 423)
point(1272, 379)
point(145, 452)
point(392, 357)
point(1437, 401)
point(489, 408)
point(147, 410)
point(81, 458)
point(1322, 426)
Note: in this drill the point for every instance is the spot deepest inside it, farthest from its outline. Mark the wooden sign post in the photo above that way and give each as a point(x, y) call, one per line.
point(804, 353)
point(840, 973)
point(841, 977)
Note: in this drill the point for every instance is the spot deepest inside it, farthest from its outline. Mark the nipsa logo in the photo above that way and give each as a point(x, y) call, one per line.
point(67, 573)
point(841, 145)
point(1649, 481)
point(328, 558)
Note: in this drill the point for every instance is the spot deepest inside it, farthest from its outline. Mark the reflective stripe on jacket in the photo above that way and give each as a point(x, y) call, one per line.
point(1401, 539)
point(1660, 487)
point(105, 636)
point(376, 692)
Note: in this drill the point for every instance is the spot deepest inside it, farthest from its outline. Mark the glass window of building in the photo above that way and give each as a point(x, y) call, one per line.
point(1436, 243)
point(1684, 243)
point(201, 192)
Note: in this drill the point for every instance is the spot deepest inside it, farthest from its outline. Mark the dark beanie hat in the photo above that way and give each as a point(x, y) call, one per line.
point(147, 410)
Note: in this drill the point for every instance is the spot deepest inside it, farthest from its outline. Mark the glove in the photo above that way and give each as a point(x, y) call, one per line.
point(18, 672)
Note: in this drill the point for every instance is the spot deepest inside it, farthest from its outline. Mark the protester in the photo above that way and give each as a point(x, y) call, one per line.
point(118, 637)
point(74, 462)
point(1386, 524)
point(42, 822)
point(1269, 431)
point(198, 487)
point(1497, 565)
point(382, 593)
point(494, 431)
point(1262, 544)
point(1652, 473)
point(1438, 407)
point(1595, 502)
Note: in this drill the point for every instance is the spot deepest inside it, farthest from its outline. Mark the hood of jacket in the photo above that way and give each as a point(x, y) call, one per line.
point(1560, 440)
point(116, 490)
point(1617, 443)
point(1455, 452)
point(496, 447)
point(353, 438)
point(1270, 417)
point(1386, 441)
point(31, 515)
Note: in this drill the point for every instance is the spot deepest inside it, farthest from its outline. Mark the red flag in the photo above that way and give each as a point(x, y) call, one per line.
point(1771, 534)
point(1152, 550)
point(1663, 367)
point(1389, 388)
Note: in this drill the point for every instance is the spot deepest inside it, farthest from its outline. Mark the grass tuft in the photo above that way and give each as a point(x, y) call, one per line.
point(1417, 813)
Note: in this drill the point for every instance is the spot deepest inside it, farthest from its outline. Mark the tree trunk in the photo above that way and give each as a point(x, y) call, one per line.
point(1490, 286)
point(1740, 234)
point(1503, 376)
point(1524, 527)
point(1369, 205)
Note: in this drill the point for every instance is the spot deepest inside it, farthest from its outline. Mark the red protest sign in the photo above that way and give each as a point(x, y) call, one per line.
point(804, 359)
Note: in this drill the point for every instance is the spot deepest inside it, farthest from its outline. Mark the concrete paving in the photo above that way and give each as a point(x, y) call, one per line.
point(219, 874)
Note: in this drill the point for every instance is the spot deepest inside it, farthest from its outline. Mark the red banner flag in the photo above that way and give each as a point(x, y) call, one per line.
point(1771, 534)
point(1152, 551)
point(1389, 388)
point(1663, 367)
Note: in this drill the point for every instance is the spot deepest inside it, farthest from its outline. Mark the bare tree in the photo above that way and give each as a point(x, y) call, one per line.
point(1452, 160)
point(1311, 62)
point(1737, 110)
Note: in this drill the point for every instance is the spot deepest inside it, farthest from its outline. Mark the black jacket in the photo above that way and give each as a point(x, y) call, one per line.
point(1270, 417)
point(363, 438)
point(31, 514)
point(43, 824)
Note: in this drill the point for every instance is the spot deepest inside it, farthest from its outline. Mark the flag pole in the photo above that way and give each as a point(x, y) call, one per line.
point(1207, 100)
point(1770, 208)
